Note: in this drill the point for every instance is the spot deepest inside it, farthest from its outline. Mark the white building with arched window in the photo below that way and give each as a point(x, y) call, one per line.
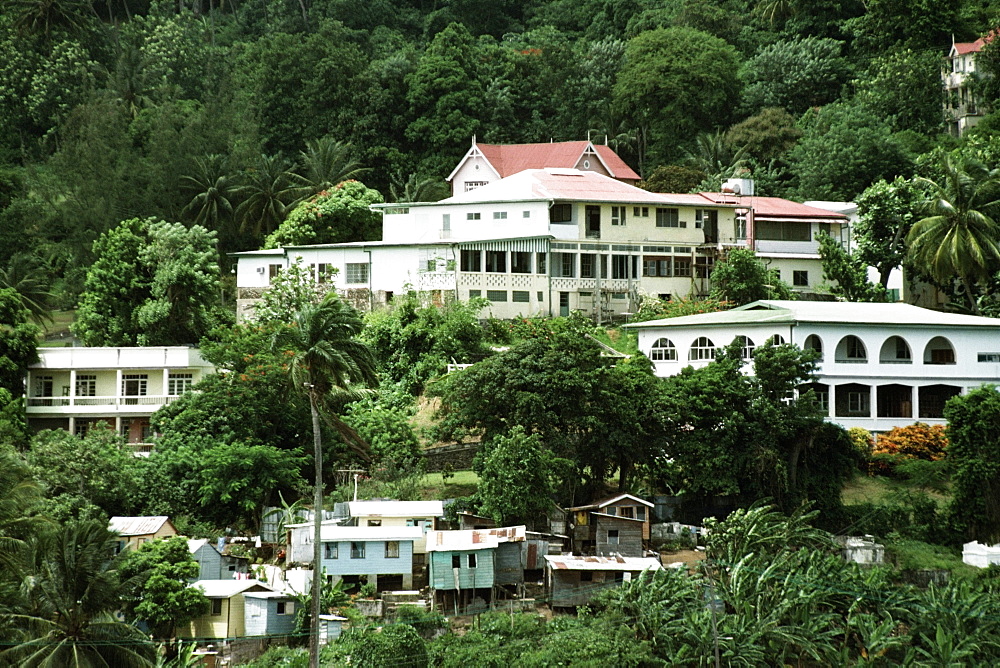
point(880, 365)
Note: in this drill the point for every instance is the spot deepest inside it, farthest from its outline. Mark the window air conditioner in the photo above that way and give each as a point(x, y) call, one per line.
point(260, 270)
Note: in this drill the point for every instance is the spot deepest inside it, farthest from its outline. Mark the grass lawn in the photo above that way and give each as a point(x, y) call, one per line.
point(462, 484)
point(879, 489)
point(56, 333)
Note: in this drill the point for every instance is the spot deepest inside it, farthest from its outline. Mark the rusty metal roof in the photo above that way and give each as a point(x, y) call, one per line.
point(615, 563)
point(138, 526)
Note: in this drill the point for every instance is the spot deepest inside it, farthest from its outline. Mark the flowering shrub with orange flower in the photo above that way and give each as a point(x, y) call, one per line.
point(917, 441)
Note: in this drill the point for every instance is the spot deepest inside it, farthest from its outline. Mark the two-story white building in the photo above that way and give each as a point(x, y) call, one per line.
point(880, 366)
point(75, 388)
point(960, 107)
point(550, 241)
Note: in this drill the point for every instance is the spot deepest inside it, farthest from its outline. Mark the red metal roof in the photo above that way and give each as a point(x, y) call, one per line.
point(776, 207)
point(510, 159)
point(962, 48)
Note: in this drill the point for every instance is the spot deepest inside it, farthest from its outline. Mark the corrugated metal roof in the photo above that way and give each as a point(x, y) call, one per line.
point(508, 159)
point(769, 312)
point(474, 539)
point(331, 532)
point(570, 184)
point(616, 563)
point(609, 501)
point(413, 509)
point(268, 594)
point(137, 526)
point(777, 208)
point(963, 48)
point(227, 588)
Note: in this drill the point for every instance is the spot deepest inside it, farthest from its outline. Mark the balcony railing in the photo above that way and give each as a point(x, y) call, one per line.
point(144, 400)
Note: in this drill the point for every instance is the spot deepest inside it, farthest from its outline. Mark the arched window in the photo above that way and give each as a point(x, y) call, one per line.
point(895, 350)
point(851, 350)
point(702, 349)
point(939, 351)
point(813, 342)
point(747, 344)
point(663, 351)
point(776, 340)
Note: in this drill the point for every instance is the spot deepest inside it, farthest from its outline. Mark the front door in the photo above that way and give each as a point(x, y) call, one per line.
point(564, 304)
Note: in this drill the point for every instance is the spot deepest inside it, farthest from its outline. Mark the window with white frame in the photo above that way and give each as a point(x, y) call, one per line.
point(357, 272)
point(472, 185)
point(392, 549)
point(747, 345)
point(472, 561)
point(800, 278)
point(663, 350)
point(640, 212)
point(86, 385)
point(776, 340)
point(178, 383)
point(499, 215)
point(702, 349)
point(324, 272)
point(858, 402)
point(134, 384)
point(331, 550)
point(475, 215)
point(618, 215)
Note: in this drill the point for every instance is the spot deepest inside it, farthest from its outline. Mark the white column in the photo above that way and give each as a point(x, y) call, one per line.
point(873, 401)
point(118, 386)
point(915, 401)
point(72, 424)
point(166, 377)
point(72, 387)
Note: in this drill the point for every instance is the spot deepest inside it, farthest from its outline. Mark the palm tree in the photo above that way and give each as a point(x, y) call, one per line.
point(213, 190)
point(267, 194)
point(958, 237)
point(25, 275)
point(713, 155)
point(43, 17)
point(72, 590)
point(325, 163)
point(418, 189)
point(325, 361)
point(18, 493)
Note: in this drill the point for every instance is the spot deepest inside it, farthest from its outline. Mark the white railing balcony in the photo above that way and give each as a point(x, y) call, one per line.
point(96, 404)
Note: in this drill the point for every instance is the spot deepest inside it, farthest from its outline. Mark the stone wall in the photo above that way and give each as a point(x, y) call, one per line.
point(458, 455)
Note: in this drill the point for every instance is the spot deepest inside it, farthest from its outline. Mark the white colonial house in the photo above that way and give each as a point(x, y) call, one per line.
point(960, 105)
point(880, 365)
point(74, 388)
point(554, 240)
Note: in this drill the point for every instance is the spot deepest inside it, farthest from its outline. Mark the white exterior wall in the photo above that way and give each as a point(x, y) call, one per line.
point(425, 224)
point(967, 373)
point(475, 168)
point(979, 555)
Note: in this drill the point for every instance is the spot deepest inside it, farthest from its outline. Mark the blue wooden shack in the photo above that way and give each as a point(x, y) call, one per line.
point(382, 556)
point(474, 564)
point(269, 613)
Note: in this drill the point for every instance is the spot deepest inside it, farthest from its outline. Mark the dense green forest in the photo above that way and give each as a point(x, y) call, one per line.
point(226, 115)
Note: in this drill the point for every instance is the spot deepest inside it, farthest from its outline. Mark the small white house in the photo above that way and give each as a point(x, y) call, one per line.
point(880, 365)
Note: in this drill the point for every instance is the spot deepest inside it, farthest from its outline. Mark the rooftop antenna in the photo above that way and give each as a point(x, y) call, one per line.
point(588, 135)
point(473, 140)
point(605, 140)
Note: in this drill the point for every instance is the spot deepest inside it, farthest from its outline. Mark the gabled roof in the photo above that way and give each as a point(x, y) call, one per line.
point(195, 544)
point(414, 509)
point(963, 48)
point(229, 588)
point(614, 499)
point(474, 539)
point(509, 159)
point(784, 312)
point(138, 526)
point(571, 563)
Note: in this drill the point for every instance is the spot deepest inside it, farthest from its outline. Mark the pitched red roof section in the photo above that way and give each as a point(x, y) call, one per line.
point(962, 48)
point(775, 207)
point(510, 159)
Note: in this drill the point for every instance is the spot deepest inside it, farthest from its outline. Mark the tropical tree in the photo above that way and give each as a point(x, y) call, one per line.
point(72, 588)
point(18, 494)
point(25, 275)
point(267, 193)
point(326, 363)
point(325, 163)
point(959, 235)
point(214, 191)
point(417, 188)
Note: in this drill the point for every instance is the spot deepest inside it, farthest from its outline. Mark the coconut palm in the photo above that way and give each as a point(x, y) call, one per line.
point(325, 163)
point(958, 235)
point(327, 363)
point(714, 155)
point(25, 275)
point(71, 591)
point(418, 189)
point(213, 189)
point(267, 195)
point(43, 17)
